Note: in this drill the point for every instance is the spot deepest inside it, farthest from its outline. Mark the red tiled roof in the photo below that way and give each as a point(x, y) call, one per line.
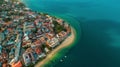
point(18, 64)
point(38, 50)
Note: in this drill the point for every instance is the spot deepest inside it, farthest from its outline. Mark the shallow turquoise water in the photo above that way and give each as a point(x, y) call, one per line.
point(99, 20)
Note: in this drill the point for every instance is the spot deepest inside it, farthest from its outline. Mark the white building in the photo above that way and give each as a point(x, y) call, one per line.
point(27, 59)
point(53, 42)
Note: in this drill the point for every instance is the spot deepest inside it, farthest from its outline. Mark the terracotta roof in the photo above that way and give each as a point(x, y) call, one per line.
point(18, 64)
point(38, 50)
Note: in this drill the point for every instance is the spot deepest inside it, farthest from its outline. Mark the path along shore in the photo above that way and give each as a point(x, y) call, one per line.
point(67, 42)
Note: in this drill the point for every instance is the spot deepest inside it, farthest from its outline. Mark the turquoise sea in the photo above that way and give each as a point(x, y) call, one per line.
point(97, 23)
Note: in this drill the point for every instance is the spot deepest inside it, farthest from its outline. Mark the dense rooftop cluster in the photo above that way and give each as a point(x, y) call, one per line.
point(27, 36)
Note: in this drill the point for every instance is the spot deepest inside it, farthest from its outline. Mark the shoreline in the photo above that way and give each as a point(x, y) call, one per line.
point(67, 42)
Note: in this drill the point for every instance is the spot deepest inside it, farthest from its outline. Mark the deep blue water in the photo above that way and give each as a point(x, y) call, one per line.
point(99, 45)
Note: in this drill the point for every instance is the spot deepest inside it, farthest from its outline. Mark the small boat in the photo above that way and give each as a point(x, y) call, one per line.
point(65, 56)
point(61, 60)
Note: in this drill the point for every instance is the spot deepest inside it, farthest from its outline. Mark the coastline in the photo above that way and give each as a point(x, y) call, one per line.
point(54, 55)
point(66, 43)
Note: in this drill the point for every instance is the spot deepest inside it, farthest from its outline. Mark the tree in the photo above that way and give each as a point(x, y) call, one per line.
point(1, 2)
point(58, 28)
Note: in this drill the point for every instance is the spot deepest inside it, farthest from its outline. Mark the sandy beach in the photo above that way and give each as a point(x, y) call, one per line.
point(68, 41)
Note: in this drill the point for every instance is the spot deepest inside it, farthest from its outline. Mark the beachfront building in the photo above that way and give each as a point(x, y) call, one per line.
point(39, 52)
point(46, 50)
point(26, 59)
point(29, 57)
point(53, 42)
point(32, 55)
point(62, 36)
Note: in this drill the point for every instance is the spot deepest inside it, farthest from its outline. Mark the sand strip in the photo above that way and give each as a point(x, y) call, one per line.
point(68, 41)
